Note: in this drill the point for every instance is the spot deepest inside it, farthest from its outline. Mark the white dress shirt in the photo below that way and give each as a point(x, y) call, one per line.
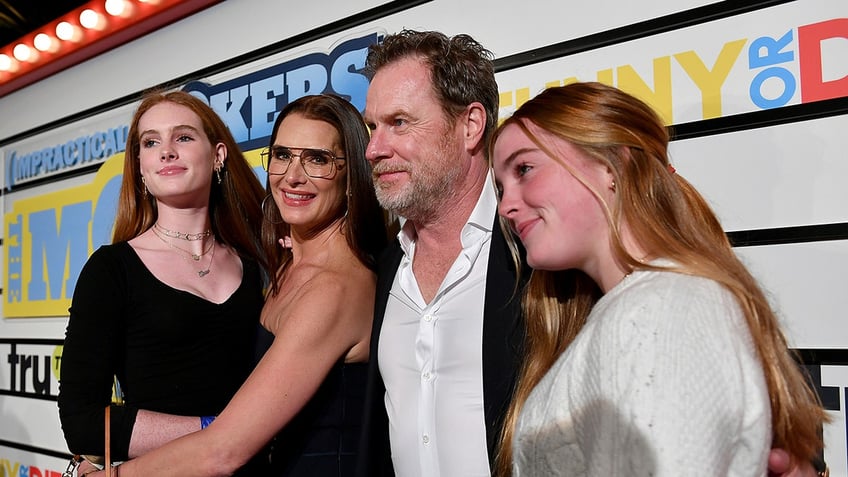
point(431, 358)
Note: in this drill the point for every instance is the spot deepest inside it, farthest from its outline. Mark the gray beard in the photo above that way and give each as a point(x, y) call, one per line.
point(421, 199)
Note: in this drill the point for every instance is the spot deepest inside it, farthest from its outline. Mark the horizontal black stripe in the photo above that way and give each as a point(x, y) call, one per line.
point(761, 119)
point(32, 341)
point(35, 450)
point(28, 395)
point(635, 31)
point(785, 235)
point(835, 357)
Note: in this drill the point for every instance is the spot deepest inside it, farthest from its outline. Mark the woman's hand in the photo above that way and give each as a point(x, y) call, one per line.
point(780, 465)
point(87, 468)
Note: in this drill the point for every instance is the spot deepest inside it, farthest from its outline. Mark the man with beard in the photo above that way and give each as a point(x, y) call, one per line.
point(448, 333)
point(447, 336)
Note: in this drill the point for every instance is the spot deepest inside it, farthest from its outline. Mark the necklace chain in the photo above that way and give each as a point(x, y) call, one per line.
point(182, 235)
point(187, 255)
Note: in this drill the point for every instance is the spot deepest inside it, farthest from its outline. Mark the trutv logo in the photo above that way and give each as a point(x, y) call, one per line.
point(30, 368)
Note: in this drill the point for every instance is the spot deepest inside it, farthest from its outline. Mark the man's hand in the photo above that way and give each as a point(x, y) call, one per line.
point(780, 465)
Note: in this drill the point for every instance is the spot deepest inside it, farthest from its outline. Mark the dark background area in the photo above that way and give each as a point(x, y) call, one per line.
point(19, 17)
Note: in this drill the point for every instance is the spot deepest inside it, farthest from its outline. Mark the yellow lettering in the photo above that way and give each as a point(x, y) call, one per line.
point(711, 81)
point(660, 96)
point(505, 99)
point(522, 95)
point(605, 77)
point(7, 469)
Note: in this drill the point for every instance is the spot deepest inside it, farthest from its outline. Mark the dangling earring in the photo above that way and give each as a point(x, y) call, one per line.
point(220, 165)
point(144, 187)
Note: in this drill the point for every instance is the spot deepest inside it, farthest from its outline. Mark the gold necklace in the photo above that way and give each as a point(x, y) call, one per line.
point(193, 256)
point(182, 235)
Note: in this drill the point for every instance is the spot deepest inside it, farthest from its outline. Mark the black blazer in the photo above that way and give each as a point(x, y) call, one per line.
point(503, 342)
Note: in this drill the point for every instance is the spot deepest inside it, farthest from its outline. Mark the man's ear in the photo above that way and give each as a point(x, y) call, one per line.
point(474, 124)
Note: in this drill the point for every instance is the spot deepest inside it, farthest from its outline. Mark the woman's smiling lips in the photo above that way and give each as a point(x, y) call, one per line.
point(170, 170)
point(296, 198)
point(523, 228)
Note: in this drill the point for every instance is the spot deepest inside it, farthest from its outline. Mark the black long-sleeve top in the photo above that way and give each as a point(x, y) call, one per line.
point(172, 351)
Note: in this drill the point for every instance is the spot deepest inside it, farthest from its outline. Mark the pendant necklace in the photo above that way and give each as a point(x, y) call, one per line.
point(188, 255)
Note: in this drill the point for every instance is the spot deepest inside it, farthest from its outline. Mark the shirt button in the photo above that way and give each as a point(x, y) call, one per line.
point(428, 318)
point(427, 376)
point(425, 439)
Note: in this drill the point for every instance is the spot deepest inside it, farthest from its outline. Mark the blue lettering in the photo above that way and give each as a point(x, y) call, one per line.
point(14, 255)
point(57, 156)
point(228, 105)
point(120, 134)
point(109, 145)
point(104, 213)
point(95, 145)
point(304, 81)
point(47, 159)
point(82, 150)
point(10, 170)
point(346, 78)
point(69, 153)
point(765, 51)
point(77, 151)
point(34, 161)
point(68, 245)
point(783, 75)
point(251, 123)
point(263, 105)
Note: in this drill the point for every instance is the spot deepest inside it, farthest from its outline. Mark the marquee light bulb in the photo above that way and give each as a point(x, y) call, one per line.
point(118, 8)
point(44, 42)
point(23, 52)
point(67, 32)
point(7, 63)
point(91, 19)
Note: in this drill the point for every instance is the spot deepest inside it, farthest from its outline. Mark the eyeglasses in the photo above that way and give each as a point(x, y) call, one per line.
point(317, 163)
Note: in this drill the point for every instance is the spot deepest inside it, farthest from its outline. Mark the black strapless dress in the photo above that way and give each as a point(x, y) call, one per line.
point(323, 438)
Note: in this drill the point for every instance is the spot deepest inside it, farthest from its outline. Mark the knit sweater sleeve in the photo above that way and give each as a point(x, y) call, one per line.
point(673, 384)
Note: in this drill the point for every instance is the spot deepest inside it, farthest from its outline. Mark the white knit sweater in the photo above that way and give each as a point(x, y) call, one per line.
point(662, 381)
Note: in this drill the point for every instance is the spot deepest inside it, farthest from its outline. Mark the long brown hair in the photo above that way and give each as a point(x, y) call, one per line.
point(668, 218)
point(234, 204)
point(364, 225)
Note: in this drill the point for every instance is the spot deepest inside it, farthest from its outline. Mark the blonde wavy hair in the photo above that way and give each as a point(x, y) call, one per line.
point(668, 218)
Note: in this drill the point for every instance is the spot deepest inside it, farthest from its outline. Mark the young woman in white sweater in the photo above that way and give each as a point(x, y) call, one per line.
point(651, 348)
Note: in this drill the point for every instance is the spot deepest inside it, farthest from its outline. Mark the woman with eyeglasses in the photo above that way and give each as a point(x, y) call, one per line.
point(305, 394)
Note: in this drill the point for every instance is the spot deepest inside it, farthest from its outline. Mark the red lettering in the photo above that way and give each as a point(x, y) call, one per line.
point(810, 37)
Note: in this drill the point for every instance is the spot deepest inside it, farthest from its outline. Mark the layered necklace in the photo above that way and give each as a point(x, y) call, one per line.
point(181, 235)
point(187, 255)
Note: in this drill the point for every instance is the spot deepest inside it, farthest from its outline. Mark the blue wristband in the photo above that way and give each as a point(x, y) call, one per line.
point(205, 421)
